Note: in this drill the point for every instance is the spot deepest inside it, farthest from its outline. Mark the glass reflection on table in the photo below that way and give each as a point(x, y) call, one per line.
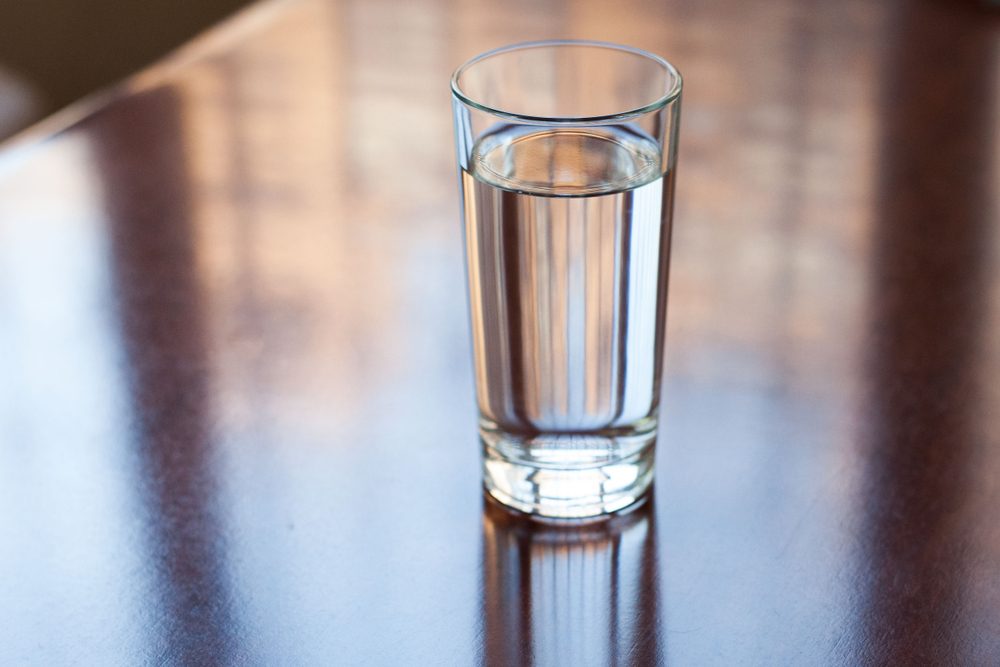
point(570, 593)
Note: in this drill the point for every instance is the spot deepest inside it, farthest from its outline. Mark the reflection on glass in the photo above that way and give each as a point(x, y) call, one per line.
point(570, 594)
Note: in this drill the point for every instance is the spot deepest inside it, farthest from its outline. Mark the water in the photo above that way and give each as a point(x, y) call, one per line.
point(567, 234)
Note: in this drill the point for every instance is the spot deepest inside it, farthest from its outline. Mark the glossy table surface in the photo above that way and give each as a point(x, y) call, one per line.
point(237, 422)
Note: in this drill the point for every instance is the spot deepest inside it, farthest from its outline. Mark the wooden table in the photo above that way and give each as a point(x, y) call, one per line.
point(236, 410)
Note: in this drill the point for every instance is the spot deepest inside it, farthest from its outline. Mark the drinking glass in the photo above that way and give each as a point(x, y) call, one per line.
point(567, 152)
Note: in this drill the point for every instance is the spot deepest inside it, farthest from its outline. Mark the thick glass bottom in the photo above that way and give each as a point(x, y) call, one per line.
point(567, 475)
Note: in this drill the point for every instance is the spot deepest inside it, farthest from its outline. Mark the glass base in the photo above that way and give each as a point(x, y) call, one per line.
point(567, 476)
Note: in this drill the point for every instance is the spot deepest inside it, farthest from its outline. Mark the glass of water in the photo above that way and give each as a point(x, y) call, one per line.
point(567, 152)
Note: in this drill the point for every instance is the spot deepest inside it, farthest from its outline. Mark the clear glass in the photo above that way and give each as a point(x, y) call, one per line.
point(567, 152)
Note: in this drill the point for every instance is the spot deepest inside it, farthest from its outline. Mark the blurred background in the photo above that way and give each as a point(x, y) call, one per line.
point(54, 52)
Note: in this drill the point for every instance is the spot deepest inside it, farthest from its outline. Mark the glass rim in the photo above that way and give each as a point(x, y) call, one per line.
point(672, 93)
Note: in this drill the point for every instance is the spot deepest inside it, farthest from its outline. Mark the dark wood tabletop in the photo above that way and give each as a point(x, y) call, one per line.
point(237, 421)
